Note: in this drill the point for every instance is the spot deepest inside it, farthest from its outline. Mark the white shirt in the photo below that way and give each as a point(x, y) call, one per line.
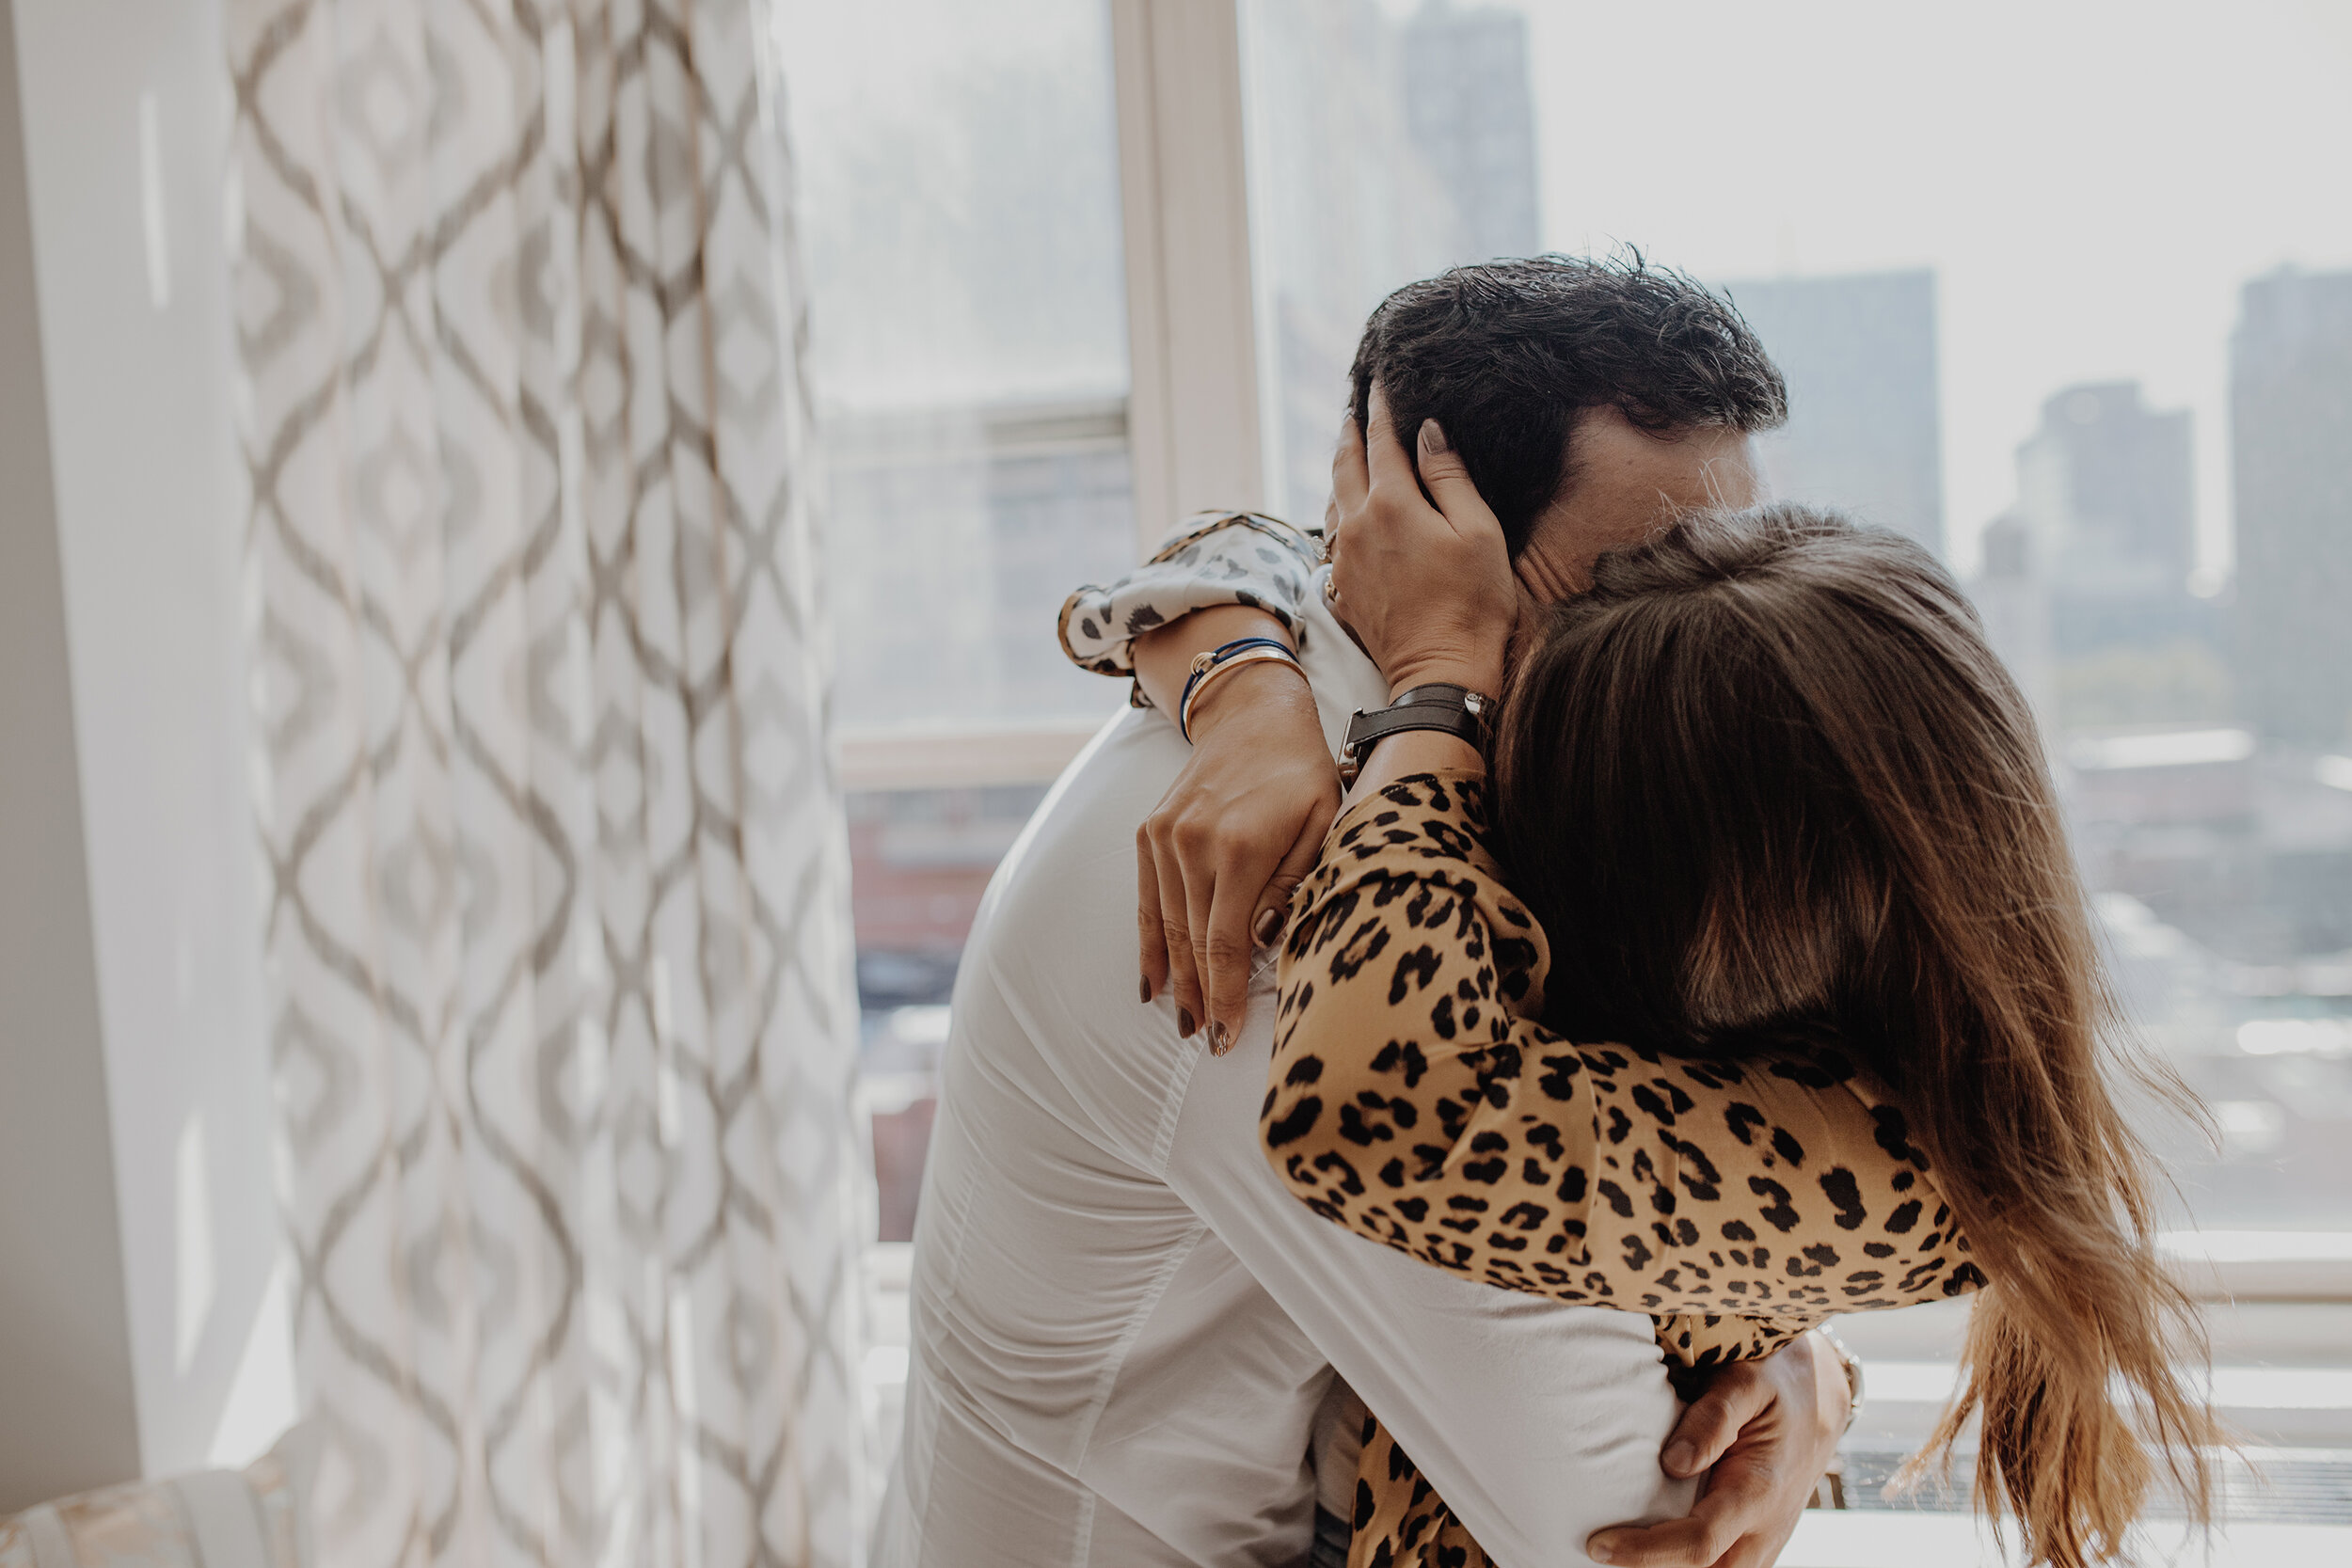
point(1123, 1324)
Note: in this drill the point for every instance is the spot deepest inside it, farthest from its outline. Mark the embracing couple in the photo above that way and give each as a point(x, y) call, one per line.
point(1694, 953)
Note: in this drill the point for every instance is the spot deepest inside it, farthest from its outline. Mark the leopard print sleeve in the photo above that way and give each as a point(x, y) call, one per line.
point(1414, 1099)
point(1214, 557)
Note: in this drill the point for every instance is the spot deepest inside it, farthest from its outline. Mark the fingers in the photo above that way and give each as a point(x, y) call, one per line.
point(1735, 1514)
point(1274, 903)
point(1735, 1395)
point(1151, 936)
point(1228, 955)
point(1197, 851)
point(1349, 479)
point(1389, 465)
point(1694, 1542)
point(1449, 482)
point(1183, 980)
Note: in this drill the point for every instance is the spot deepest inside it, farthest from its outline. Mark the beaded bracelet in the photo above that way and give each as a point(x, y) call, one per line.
point(1207, 667)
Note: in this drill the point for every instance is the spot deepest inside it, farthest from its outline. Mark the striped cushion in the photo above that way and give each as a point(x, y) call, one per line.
point(257, 1517)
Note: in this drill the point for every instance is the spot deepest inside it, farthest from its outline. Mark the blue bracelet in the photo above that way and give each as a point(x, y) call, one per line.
point(1203, 663)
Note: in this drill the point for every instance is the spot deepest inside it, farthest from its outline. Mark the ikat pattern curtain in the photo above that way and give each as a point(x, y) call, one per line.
point(564, 1022)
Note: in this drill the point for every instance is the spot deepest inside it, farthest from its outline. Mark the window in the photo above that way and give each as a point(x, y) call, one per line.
point(2094, 350)
point(969, 350)
point(968, 345)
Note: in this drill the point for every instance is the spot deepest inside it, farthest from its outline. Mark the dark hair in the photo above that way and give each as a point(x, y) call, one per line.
point(1506, 356)
point(1766, 784)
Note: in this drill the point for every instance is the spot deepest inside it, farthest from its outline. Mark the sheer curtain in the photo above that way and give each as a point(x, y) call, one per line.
point(559, 941)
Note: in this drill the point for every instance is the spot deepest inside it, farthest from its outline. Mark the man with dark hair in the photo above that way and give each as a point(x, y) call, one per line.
point(1588, 398)
point(1512, 358)
point(1124, 1329)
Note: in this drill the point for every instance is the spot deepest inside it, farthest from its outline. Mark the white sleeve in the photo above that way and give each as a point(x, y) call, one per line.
point(1539, 1422)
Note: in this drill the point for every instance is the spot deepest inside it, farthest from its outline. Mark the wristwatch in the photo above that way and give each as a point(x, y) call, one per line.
point(1456, 710)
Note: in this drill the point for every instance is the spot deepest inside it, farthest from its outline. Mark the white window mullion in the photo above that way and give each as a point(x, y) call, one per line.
point(1193, 417)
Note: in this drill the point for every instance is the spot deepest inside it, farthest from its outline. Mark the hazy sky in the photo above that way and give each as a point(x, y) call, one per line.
point(2091, 182)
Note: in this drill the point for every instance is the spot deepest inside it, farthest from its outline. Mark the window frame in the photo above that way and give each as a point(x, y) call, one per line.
point(1193, 402)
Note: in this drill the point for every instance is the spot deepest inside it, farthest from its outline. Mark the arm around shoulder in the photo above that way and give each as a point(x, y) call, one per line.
point(1414, 1099)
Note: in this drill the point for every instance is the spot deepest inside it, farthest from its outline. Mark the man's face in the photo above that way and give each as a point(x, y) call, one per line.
point(1627, 483)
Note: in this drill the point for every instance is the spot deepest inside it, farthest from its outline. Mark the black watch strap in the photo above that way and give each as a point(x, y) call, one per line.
point(1454, 710)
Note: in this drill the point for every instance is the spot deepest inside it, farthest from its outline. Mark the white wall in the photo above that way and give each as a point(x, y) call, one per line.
point(125, 108)
point(64, 1347)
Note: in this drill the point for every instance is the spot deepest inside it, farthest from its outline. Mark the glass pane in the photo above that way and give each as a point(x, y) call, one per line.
point(2067, 306)
point(2107, 372)
point(961, 229)
point(919, 860)
point(967, 343)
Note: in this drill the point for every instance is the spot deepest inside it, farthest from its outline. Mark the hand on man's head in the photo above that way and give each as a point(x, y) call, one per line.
point(1418, 569)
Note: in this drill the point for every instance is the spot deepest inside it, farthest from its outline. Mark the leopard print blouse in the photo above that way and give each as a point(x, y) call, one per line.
point(1413, 1099)
point(1214, 558)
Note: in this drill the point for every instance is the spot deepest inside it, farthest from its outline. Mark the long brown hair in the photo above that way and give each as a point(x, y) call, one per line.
point(1766, 782)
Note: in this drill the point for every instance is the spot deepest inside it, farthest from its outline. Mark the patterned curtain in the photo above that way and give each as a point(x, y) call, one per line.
point(564, 1022)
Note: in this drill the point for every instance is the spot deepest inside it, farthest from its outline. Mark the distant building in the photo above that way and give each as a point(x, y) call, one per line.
point(1865, 429)
point(2103, 486)
point(2014, 598)
point(2106, 478)
point(1471, 111)
point(2105, 528)
point(2291, 461)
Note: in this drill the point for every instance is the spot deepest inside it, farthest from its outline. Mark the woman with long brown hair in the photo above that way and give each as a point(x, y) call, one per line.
point(1770, 820)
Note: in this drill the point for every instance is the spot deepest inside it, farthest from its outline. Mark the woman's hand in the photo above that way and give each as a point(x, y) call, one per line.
point(1219, 856)
point(1427, 589)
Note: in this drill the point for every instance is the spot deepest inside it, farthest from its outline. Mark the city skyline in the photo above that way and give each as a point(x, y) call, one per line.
point(2081, 227)
point(1865, 431)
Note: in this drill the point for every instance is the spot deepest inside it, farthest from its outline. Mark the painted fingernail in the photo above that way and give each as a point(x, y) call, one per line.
point(1220, 1040)
point(1681, 1458)
point(1184, 1023)
point(1432, 434)
point(1269, 927)
point(1146, 989)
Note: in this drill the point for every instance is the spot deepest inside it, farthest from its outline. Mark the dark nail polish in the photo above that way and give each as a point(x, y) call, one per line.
point(1269, 927)
point(1147, 989)
point(1220, 1040)
point(1184, 1023)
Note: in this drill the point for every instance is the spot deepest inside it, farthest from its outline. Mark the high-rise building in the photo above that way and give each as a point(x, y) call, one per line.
point(2012, 597)
point(2106, 515)
point(2103, 486)
point(1469, 107)
point(2291, 480)
point(1865, 431)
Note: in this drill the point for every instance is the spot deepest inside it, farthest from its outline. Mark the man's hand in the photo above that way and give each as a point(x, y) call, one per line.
point(1219, 856)
point(1770, 1429)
